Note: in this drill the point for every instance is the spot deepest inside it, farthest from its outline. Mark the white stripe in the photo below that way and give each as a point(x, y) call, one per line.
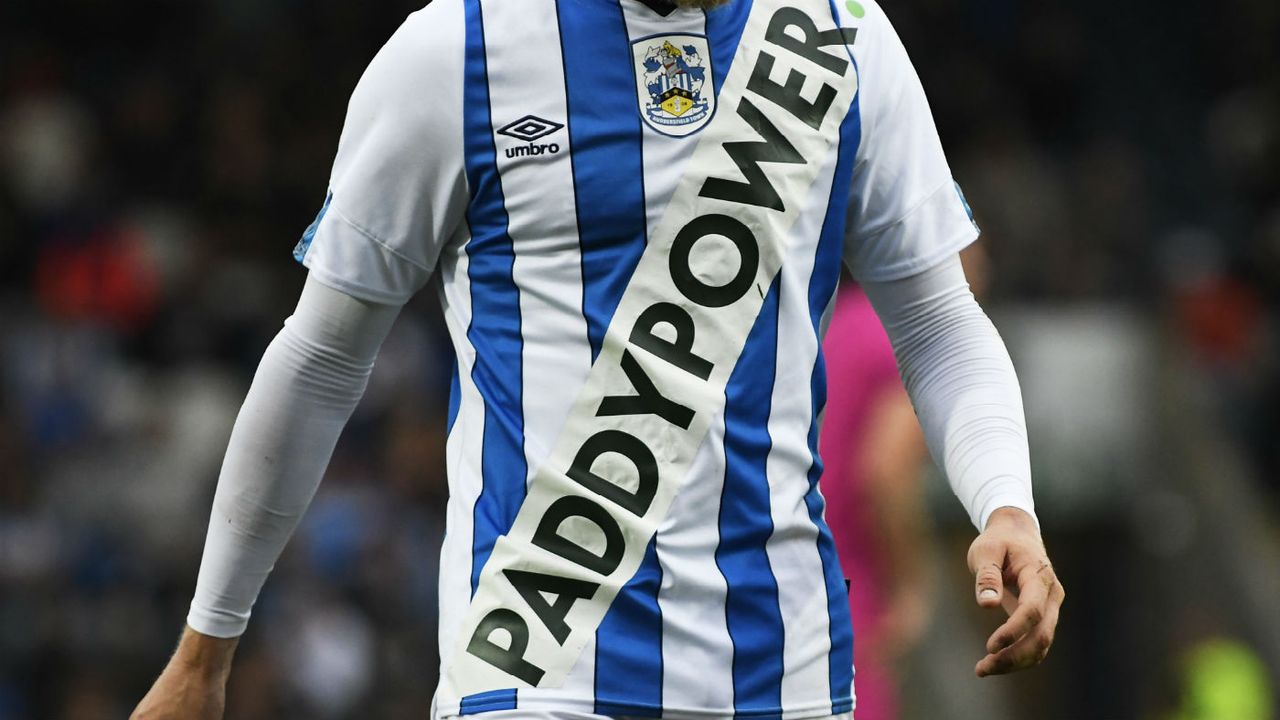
point(665, 157)
point(695, 631)
point(793, 548)
point(462, 449)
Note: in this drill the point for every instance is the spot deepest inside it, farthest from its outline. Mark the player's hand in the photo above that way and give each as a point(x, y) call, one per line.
point(193, 684)
point(1013, 570)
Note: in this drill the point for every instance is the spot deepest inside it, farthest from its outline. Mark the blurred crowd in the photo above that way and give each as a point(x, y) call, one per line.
point(158, 161)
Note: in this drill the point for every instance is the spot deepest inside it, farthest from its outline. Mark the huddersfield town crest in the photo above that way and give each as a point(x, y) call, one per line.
point(673, 79)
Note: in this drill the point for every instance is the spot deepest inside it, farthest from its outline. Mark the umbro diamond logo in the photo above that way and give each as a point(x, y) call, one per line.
point(529, 128)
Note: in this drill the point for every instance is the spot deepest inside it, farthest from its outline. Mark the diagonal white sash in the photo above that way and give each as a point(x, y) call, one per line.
point(659, 381)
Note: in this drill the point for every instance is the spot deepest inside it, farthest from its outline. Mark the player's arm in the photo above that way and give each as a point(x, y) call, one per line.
point(397, 194)
point(907, 225)
point(966, 394)
point(309, 381)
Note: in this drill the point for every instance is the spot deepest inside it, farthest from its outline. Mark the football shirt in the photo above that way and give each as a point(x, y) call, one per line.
point(636, 218)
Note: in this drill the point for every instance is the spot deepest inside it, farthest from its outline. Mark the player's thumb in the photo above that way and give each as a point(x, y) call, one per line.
point(986, 561)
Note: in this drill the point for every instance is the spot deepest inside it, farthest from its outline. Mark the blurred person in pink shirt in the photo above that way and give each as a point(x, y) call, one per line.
point(873, 449)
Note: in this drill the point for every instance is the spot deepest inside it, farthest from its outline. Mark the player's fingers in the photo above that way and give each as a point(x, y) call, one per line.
point(986, 561)
point(1030, 650)
point(1032, 608)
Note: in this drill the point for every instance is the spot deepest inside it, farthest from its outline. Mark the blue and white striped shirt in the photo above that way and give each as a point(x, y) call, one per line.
point(638, 216)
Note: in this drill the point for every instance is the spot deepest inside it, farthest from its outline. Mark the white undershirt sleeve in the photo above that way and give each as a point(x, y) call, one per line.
point(962, 384)
point(309, 381)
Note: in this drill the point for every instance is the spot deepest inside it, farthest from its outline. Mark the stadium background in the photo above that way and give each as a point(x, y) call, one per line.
point(159, 159)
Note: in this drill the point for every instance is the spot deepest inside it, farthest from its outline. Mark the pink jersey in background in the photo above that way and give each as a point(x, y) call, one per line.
point(860, 369)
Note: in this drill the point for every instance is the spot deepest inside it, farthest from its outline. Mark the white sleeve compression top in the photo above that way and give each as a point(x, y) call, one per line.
point(963, 386)
point(311, 377)
point(953, 362)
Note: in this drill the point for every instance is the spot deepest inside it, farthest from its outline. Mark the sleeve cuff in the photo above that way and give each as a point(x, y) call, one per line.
point(345, 257)
point(936, 229)
point(1020, 501)
point(216, 623)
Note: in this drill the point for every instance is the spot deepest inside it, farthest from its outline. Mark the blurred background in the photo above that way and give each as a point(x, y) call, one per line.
point(158, 161)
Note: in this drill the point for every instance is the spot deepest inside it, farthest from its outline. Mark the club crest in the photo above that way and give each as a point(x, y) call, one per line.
point(673, 82)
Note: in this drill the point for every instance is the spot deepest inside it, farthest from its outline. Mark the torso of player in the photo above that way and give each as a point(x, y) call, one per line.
point(580, 123)
point(642, 219)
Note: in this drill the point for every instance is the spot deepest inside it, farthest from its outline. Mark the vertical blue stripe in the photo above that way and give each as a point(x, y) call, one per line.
point(629, 646)
point(841, 658)
point(724, 29)
point(822, 286)
point(455, 397)
point(752, 612)
point(495, 312)
point(608, 177)
point(605, 140)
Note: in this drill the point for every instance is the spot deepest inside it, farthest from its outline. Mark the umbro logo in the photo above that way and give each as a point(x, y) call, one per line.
point(530, 128)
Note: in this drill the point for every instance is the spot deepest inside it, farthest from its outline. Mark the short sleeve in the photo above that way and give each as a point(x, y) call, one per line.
point(906, 213)
point(397, 192)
